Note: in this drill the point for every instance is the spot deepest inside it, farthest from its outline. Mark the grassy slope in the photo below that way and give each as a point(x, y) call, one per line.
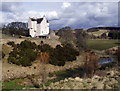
point(102, 44)
point(12, 85)
point(98, 33)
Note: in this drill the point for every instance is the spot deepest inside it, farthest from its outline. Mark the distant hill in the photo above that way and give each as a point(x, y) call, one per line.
point(104, 28)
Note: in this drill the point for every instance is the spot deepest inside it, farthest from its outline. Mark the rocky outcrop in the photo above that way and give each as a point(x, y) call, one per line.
point(110, 81)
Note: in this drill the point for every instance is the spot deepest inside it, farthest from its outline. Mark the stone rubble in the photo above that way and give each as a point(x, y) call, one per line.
point(96, 82)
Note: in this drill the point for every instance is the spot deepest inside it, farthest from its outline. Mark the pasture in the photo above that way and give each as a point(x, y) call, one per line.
point(102, 44)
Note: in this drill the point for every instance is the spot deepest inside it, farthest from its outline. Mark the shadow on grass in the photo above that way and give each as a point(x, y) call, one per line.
point(78, 72)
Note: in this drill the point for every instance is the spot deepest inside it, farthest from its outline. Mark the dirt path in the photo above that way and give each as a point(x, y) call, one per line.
point(52, 43)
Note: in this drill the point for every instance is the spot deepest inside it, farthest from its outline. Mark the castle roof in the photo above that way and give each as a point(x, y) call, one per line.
point(39, 20)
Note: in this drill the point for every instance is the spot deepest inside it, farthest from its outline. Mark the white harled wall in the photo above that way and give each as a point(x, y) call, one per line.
point(41, 29)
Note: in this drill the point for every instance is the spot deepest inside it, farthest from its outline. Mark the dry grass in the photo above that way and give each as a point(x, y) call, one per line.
point(98, 33)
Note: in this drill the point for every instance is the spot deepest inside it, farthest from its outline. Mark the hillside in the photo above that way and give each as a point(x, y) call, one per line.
point(105, 28)
point(110, 81)
point(99, 32)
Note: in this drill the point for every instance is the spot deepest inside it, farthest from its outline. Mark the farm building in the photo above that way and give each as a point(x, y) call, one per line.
point(38, 27)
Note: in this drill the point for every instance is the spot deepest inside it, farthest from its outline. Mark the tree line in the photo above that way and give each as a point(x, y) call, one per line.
point(15, 28)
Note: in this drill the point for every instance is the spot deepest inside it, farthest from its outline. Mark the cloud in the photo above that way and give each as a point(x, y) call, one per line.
point(66, 5)
point(50, 15)
point(84, 15)
point(76, 15)
point(11, 6)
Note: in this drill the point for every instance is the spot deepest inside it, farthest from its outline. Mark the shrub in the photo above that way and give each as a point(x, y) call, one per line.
point(26, 52)
point(45, 48)
point(11, 43)
point(27, 45)
point(25, 61)
point(12, 60)
point(20, 36)
point(114, 34)
point(23, 53)
point(13, 53)
point(62, 54)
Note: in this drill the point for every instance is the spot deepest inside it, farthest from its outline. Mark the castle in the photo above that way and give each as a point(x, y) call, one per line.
point(38, 27)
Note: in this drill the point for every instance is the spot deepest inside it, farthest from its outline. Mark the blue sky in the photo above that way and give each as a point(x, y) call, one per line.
point(61, 14)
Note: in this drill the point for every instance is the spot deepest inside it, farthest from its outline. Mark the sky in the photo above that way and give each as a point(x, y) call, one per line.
point(61, 14)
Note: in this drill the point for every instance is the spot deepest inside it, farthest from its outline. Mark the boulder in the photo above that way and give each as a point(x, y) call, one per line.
point(114, 81)
point(95, 77)
point(61, 81)
point(78, 79)
point(71, 79)
point(56, 83)
point(107, 87)
point(111, 73)
point(65, 80)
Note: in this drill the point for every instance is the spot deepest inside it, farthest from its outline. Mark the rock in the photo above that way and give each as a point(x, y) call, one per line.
point(51, 84)
point(100, 79)
point(107, 87)
point(56, 83)
point(105, 79)
point(49, 88)
point(76, 87)
point(65, 80)
point(95, 77)
point(66, 87)
point(99, 85)
point(78, 79)
point(70, 79)
point(88, 80)
point(111, 73)
point(61, 81)
point(113, 81)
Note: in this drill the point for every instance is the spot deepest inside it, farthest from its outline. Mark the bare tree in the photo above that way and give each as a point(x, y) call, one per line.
point(43, 59)
point(90, 63)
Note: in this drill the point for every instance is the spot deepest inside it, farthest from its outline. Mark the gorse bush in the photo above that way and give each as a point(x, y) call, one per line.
point(26, 52)
point(27, 44)
point(61, 54)
point(45, 48)
point(11, 43)
point(23, 54)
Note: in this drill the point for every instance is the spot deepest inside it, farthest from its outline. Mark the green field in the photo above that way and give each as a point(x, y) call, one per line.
point(102, 44)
